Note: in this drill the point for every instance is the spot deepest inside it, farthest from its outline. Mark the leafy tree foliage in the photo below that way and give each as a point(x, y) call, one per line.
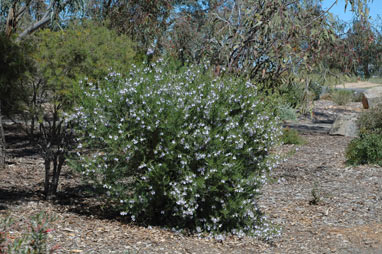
point(266, 39)
point(365, 42)
point(358, 48)
point(85, 49)
point(143, 21)
point(63, 59)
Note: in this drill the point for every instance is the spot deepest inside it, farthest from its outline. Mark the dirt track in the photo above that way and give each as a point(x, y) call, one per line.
point(358, 85)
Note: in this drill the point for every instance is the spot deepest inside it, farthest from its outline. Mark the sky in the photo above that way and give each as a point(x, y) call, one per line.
point(338, 9)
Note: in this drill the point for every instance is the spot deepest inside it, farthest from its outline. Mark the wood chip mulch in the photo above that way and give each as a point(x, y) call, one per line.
point(345, 216)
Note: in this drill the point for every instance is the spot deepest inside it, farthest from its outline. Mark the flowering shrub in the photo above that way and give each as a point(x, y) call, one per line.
point(179, 148)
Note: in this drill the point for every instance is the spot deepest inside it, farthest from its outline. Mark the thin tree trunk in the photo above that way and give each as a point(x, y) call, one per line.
point(2, 142)
point(56, 177)
point(10, 25)
point(366, 70)
point(47, 178)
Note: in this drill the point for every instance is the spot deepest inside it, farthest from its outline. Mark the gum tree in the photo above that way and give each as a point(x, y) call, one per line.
point(24, 17)
point(265, 40)
point(268, 40)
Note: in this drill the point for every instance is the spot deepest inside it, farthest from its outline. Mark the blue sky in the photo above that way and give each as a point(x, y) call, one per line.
point(338, 9)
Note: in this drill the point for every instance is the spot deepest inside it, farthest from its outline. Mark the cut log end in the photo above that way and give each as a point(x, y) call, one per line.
point(364, 102)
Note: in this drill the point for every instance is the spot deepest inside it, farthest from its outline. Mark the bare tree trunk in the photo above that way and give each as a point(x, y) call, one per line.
point(47, 178)
point(10, 25)
point(2, 143)
point(56, 140)
point(366, 69)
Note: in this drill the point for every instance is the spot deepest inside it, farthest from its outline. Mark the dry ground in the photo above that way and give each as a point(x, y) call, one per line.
point(359, 84)
point(347, 218)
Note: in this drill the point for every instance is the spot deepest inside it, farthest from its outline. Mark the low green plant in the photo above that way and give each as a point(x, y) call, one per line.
point(181, 149)
point(292, 93)
point(370, 121)
point(286, 112)
point(291, 136)
point(315, 195)
point(316, 88)
point(342, 97)
point(367, 149)
point(33, 240)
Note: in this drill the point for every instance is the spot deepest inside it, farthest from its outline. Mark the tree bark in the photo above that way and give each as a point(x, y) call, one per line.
point(35, 26)
point(2, 142)
point(366, 70)
point(47, 178)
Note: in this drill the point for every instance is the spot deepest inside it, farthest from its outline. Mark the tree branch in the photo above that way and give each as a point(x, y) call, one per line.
point(33, 27)
point(43, 21)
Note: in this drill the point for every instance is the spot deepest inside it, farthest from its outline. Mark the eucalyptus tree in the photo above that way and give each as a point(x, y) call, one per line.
point(265, 39)
point(24, 17)
point(363, 39)
point(143, 21)
point(269, 40)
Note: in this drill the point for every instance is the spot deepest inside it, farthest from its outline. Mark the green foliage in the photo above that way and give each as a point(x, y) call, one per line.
point(316, 88)
point(292, 93)
point(367, 149)
point(366, 44)
point(286, 112)
point(342, 96)
point(291, 136)
point(14, 66)
point(315, 195)
point(143, 21)
point(33, 239)
point(84, 50)
point(179, 148)
point(370, 121)
point(298, 94)
point(270, 40)
point(360, 51)
point(62, 58)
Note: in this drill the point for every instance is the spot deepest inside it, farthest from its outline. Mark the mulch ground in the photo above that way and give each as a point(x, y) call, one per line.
point(344, 217)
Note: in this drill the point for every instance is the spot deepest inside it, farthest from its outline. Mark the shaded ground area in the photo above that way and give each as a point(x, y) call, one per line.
point(346, 219)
